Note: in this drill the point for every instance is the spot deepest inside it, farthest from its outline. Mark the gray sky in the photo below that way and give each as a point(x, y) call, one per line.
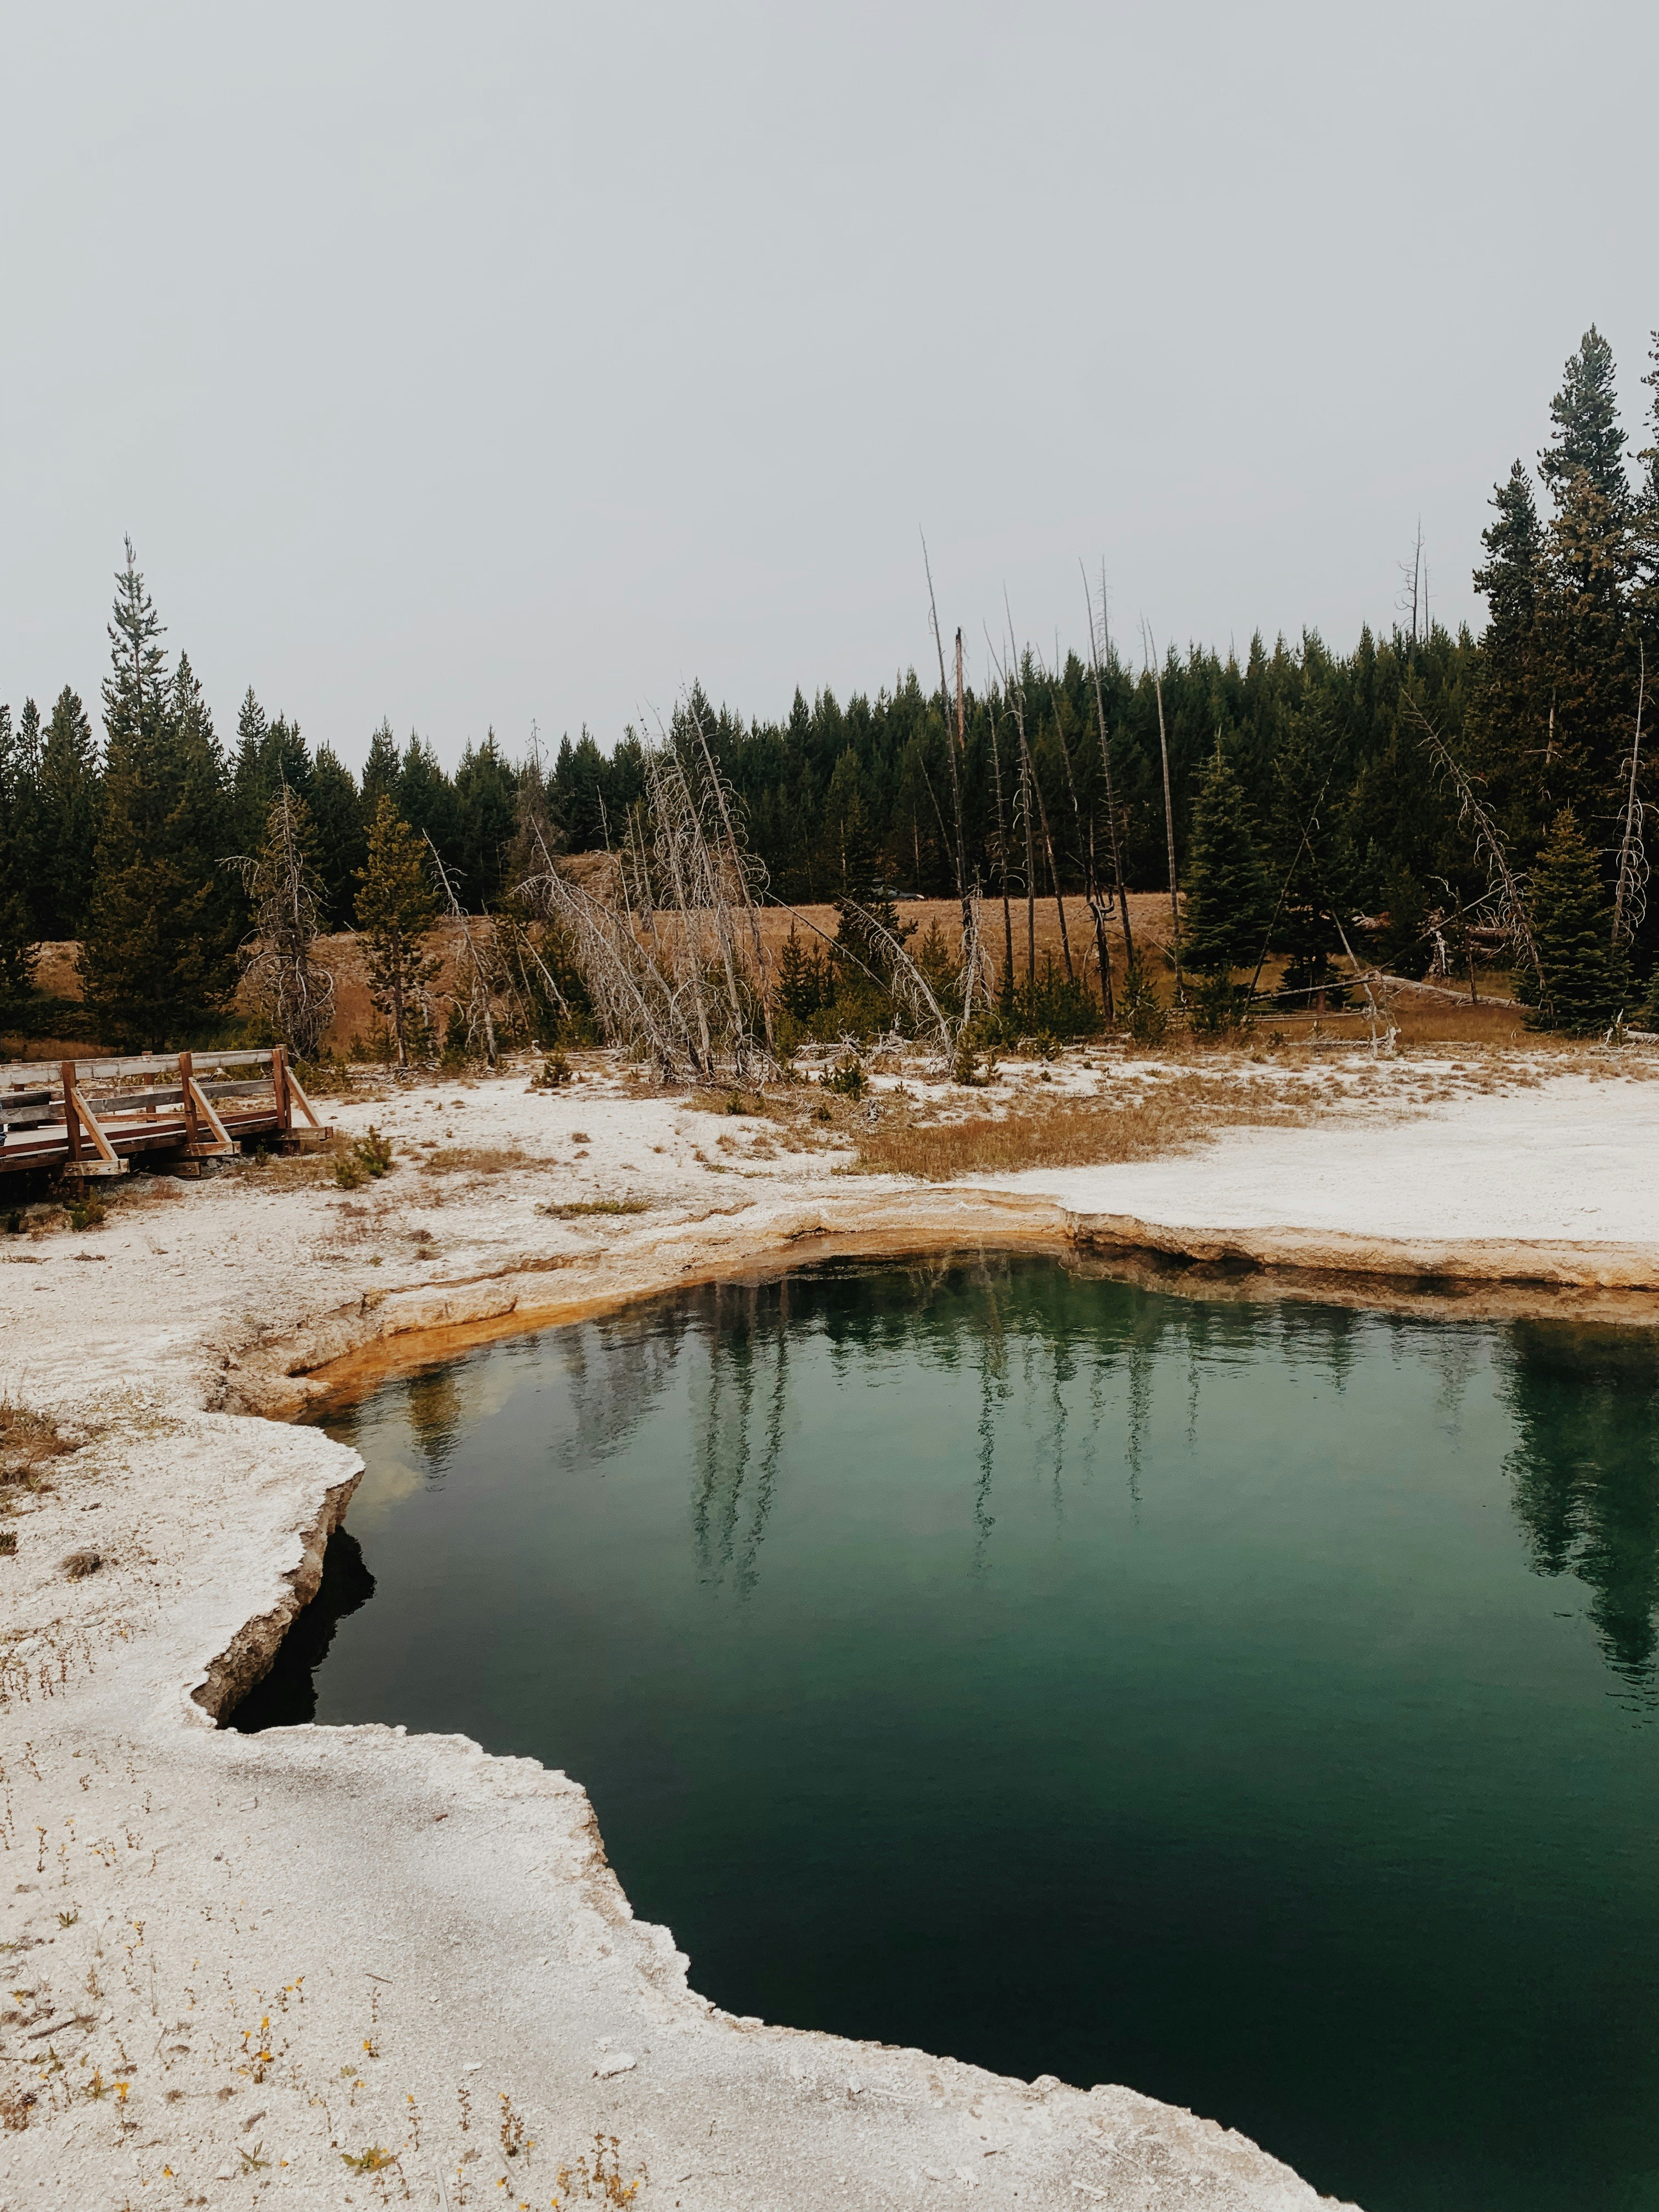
point(470, 366)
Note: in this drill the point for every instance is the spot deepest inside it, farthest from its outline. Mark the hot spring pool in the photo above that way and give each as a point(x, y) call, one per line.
point(1252, 1703)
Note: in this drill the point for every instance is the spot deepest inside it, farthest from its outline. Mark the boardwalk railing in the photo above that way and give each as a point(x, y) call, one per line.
point(92, 1116)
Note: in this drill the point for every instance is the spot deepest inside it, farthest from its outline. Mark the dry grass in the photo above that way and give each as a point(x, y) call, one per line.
point(579, 1209)
point(726, 1101)
point(79, 1565)
point(26, 1439)
point(475, 1159)
point(1065, 1132)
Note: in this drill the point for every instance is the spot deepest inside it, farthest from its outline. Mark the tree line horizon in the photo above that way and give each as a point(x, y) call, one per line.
point(1297, 794)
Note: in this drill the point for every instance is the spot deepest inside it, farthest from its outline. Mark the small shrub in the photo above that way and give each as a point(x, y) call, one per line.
point(964, 1064)
point(15, 1222)
point(1143, 1014)
point(349, 1172)
point(80, 1565)
point(374, 1153)
point(1221, 1007)
point(85, 1211)
point(822, 1113)
point(847, 1079)
point(554, 1073)
point(7, 1543)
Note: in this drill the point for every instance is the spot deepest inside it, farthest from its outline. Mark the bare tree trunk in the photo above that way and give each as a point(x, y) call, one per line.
point(1631, 897)
point(1054, 872)
point(1002, 853)
point(1091, 888)
point(963, 893)
point(1169, 816)
point(1106, 768)
point(1031, 855)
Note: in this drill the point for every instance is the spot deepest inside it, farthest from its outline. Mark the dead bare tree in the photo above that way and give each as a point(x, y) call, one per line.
point(475, 972)
point(1507, 897)
point(286, 982)
point(1630, 900)
point(1098, 910)
point(964, 894)
point(1106, 763)
point(671, 960)
point(1169, 806)
point(1002, 852)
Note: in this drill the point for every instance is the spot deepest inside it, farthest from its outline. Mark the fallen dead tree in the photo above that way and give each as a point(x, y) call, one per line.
point(667, 940)
point(670, 951)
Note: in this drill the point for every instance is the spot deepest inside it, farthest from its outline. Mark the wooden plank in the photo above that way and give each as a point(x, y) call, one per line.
point(205, 1108)
point(78, 1117)
point(300, 1099)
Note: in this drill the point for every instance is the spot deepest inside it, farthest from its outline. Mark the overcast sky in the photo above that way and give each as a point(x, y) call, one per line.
point(504, 363)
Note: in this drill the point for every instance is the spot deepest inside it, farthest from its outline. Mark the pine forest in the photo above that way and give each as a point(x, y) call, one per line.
point(1418, 804)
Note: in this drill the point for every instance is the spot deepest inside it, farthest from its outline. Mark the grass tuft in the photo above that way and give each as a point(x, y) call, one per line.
point(576, 1208)
point(1068, 1131)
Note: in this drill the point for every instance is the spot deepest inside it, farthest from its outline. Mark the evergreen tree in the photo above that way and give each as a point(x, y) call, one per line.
point(270, 756)
point(396, 911)
point(1583, 980)
point(801, 982)
point(426, 798)
point(1402, 944)
point(1588, 662)
point(854, 853)
point(248, 796)
point(17, 952)
point(485, 820)
point(1228, 901)
point(342, 843)
point(1588, 439)
point(68, 814)
point(1510, 728)
point(158, 953)
point(379, 778)
point(30, 851)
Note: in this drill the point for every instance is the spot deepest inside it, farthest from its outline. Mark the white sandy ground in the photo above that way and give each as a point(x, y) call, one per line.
point(1577, 1160)
point(233, 1962)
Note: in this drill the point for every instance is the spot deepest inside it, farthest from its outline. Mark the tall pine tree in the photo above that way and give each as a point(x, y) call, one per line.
point(1582, 984)
point(1510, 728)
point(1228, 903)
point(342, 841)
point(17, 940)
point(69, 814)
point(1588, 439)
point(1588, 662)
point(158, 957)
point(396, 911)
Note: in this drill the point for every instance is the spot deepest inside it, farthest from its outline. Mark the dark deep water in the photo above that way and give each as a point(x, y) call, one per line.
point(1252, 1704)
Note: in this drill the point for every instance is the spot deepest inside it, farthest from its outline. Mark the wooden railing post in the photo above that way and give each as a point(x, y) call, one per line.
point(279, 1086)
point(71, 1120)
point(186, 1069)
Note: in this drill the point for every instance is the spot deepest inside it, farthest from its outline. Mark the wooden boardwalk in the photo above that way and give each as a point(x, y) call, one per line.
point(90, 1117)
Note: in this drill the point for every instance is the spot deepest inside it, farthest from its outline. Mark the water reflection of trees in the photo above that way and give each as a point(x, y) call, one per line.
point(431, 1403)
point(1023, 1332)
point(1585, 1469)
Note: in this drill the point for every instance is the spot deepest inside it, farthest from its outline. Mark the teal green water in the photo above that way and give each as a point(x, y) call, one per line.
point(1252, 1704)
